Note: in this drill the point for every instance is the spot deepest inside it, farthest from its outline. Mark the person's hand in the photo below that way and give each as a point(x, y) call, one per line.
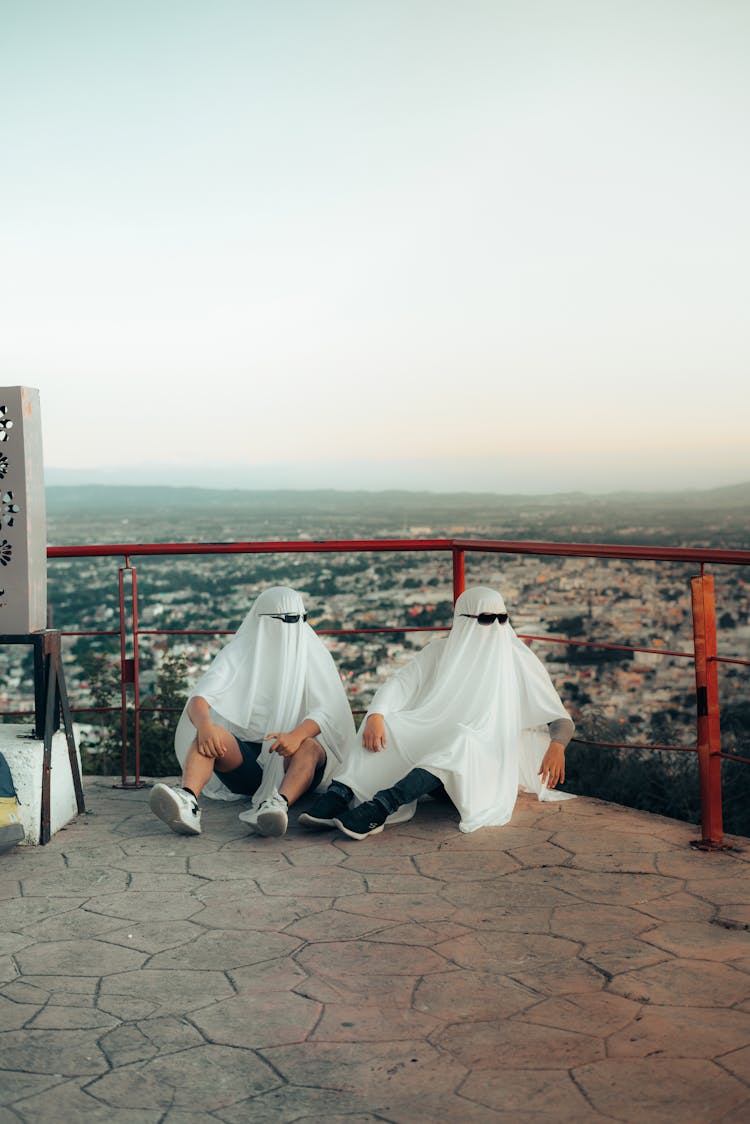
point(209, 739)
point(286, 745)
point(552, 771)
point(373, 736)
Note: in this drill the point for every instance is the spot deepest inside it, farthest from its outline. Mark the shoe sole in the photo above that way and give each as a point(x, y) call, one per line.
point(271, 824)
point(164, 805)
point(10, 836)
point(314, 821)
point(358, 834)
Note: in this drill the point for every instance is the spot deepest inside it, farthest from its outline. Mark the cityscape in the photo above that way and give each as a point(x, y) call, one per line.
point(613, 695)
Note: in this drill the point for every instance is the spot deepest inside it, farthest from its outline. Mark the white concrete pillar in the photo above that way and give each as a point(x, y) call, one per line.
point(23, 515)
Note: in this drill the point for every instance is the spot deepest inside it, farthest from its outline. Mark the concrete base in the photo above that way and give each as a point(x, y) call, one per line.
point(25, 757)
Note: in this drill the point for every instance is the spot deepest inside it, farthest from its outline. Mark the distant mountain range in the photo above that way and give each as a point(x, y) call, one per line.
point(63, 500)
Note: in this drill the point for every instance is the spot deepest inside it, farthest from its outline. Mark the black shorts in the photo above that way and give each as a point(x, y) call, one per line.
point(245, 779)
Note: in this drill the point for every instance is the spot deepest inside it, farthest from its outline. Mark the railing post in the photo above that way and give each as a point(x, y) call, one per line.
point(459, 572)
point(129, 674)
point(707, 707)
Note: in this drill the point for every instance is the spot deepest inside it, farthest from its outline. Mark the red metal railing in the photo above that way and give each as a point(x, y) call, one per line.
point(704, 654)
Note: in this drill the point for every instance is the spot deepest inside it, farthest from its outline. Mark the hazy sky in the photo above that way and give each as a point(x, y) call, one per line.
point(491, 244)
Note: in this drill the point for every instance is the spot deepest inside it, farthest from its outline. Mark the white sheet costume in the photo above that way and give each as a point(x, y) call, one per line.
point(471, 709)
point(268, 678)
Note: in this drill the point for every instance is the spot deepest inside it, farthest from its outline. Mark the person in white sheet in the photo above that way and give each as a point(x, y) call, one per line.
point(268, 720)
point(475, 713)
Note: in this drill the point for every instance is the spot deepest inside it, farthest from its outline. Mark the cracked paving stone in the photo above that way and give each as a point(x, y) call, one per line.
point(589, 1013)
point(514, 893)
point(342, 959)
point(499, 1042)
point(224, 867)
point(660, 1090)
point(154, 936)
point(260, 1020)
point(232, 948)
point(680, 1032)
point(274, 976)
point(504, 920)
point(15, 1086)
point(377, 1070)
point(540, 854)
point(677, 907)
point(685, 983)
point(84, 958)
point(30, 911)
point(332, 924)
point(152, 882)
point(173, 992)
point(379, 864)
point(482, 995)
point(421, 907)
point(11, 942)
point(343, 1022)
point(541, 1094)
point(78, 924)
point(202, 1078)
point(619, 862)
point(738, 1063)
point(376, 991)
point(138, 1042)
point(258, 912)
point(55, 1017)
point(566, 977)
point(297, 881)
point(462, 865)
point(82, 986)
point(606, 888)
point(609, 922)
point(15, 1015)
point(698, 941)
point(76, 883)
point(293, 1102)
point(70, 1053)
point(618, 956)
point(416, 933)
point(69, 1102)
point(514, 952)
point(143, 905)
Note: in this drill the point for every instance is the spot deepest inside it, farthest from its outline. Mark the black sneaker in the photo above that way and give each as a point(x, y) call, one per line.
point(323, 811)
point(367, 819)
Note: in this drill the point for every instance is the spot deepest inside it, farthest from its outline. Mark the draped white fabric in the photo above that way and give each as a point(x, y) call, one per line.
point(473, 710)
point(268, 678)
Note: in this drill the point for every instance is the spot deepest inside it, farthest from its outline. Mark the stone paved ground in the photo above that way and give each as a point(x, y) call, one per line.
point(580, 964)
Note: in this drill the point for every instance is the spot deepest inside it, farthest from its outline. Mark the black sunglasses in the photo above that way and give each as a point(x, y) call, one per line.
point(488, 618)
point(287, 618)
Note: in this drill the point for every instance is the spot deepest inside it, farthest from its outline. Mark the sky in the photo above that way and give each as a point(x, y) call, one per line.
point(497, 245)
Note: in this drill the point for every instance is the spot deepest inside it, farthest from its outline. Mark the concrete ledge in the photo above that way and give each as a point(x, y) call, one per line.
point(25, 756)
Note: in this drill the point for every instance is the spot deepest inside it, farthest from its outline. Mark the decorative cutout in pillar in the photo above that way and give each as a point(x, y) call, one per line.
point(23, 532)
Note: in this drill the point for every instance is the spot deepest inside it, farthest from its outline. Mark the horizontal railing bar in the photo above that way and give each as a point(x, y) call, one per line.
point(604, 550)
point(601, 644)
point(635, 745)
point(360, 546)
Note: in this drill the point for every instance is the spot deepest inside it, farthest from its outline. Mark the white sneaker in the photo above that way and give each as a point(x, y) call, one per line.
point(178, 808)
point(270, 817)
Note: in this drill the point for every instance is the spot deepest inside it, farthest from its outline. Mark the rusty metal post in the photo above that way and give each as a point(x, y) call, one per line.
point(707, 706)
point(459, 572)
point(123, 678)
point(129, 674)
point(136, 690)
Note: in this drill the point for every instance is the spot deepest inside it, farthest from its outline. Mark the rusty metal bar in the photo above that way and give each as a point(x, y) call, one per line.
point(124, 677)
point(707, 708)
point(459, 572)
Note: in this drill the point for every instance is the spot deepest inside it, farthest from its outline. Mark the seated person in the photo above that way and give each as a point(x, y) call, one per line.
point(475, 712)
point(269, 719)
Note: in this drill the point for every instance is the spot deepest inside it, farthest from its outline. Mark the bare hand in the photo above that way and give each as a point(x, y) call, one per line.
point(286, 745)
point(209, 739)
point(552, 771)
point(373, 736)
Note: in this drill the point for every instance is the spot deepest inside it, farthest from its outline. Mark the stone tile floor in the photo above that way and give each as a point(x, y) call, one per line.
point(580, 964)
